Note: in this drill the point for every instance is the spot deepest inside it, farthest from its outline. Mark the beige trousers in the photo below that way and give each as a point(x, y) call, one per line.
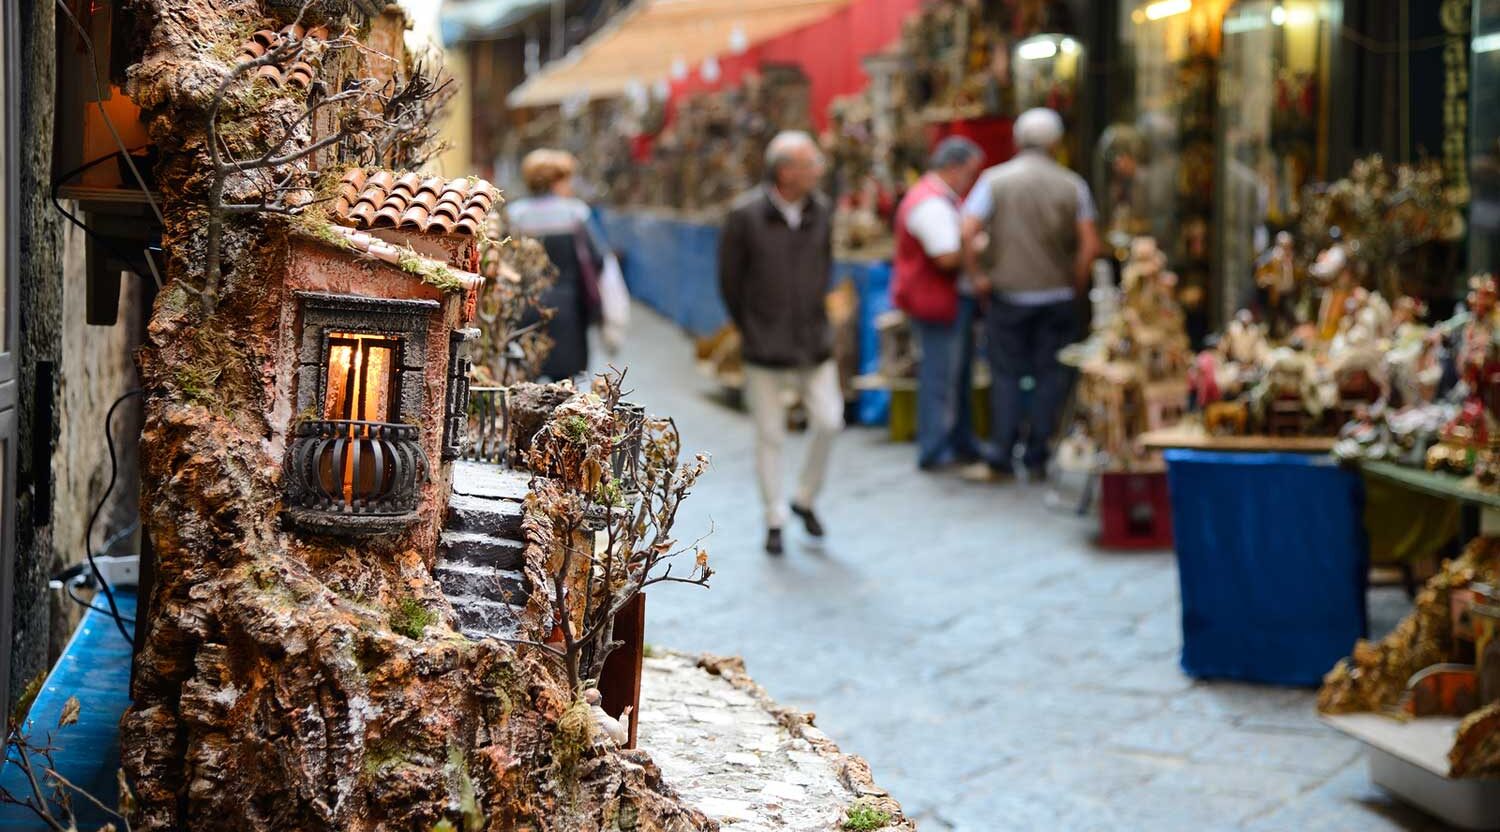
point(767, 391)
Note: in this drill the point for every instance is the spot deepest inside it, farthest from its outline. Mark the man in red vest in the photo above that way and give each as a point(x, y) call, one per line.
point(926, 287)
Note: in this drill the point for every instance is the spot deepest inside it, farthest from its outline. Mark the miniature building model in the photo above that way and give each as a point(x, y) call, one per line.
point(377, 322)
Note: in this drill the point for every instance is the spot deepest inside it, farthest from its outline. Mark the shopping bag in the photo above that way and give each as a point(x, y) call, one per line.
point(614, 302)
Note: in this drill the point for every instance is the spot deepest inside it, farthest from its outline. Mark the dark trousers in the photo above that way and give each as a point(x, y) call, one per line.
point(964, 444)
point(1023, 341)
point(945, 371)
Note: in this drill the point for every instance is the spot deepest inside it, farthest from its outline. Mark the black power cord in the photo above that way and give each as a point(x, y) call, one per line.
point(88, 533)
point(71, 579)
point(139, 266)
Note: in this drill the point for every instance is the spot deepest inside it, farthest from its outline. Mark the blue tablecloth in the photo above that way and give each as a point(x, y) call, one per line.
point(95, 667)
point(1272, 561)
point(671, 265)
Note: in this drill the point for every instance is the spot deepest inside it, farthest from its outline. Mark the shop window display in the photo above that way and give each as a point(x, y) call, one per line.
point(1156, 172)
point(1048, 71)
point(1272, 133)
point(1484, 139)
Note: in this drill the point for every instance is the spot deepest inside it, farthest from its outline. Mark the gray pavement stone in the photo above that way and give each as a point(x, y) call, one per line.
point(996, 670)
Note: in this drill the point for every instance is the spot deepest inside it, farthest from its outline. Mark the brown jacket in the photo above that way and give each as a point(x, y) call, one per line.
point(774, 278)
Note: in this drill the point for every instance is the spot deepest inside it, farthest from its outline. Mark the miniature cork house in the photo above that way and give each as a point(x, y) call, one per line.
point(376, 311)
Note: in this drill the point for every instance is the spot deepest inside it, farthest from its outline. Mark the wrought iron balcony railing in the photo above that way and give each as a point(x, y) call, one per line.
point(353, 477)
point(488, 420)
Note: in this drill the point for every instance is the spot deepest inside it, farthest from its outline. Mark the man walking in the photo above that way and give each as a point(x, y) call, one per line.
point(926, 287)
point(775, 265)
point(1031, 222)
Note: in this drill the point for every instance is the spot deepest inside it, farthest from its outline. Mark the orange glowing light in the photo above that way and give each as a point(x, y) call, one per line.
point(361, 369)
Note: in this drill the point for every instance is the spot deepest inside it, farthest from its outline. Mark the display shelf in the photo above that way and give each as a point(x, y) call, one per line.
point(1193, 437)
point(1410, 759)
point(1435, 483)
point(95, 196)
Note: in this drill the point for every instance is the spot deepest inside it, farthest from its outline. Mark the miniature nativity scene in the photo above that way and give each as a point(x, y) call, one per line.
point(397, 585)
point(1327, 341)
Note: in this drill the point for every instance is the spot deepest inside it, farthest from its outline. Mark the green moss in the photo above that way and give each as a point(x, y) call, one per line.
point(324, 231)
point(206, 379)
point(432, 273)
point(198, 383)
point(444, 825)
point(862, 817)
point(468, 803)
point(410, 618)
point(610, 494)
point(572, 739)
point(576, 428)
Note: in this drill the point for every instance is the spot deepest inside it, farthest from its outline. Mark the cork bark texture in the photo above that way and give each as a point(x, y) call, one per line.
point(296, 681)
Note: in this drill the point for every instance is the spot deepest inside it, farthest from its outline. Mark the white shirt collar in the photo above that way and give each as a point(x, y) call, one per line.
point(790, 211)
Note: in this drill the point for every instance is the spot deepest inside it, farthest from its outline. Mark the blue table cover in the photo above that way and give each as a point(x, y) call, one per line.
point(671, 265)
point(95, 667)
point(1272, 562)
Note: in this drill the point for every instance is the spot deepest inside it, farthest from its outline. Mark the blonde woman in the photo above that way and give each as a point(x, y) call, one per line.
point(553, 215)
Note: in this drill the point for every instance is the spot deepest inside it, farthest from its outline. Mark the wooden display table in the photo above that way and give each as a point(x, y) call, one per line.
point(1193, 437)
point(1436, 483)
point(1410, 759)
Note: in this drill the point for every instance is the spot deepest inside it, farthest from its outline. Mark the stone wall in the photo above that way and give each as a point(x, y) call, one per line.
point(98, 365)
point(40, 284)
point(91, 366)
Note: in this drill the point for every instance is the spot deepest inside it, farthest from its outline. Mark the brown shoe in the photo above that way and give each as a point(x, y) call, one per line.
point(983, 472)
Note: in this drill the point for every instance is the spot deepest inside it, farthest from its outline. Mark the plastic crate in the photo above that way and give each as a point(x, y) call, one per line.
point(1135, 510)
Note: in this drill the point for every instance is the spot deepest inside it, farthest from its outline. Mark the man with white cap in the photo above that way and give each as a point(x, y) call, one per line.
point(1032, 224)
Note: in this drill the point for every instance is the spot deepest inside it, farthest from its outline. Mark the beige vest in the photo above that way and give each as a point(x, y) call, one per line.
point(1034, 229)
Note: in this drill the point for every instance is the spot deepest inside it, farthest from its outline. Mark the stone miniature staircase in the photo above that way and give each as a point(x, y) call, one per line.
point(482, 547)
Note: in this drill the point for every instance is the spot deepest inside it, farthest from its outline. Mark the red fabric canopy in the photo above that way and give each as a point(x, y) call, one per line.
point(828, 52)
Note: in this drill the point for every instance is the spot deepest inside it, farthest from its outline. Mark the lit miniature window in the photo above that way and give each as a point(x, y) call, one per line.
point(362, 377)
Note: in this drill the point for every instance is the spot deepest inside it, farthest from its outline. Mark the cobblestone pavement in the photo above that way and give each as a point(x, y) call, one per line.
point(997, 671)
point(730, 756)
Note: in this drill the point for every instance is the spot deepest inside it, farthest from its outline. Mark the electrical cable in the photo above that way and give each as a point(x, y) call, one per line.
point(107, 242)
point(88, 532)
point(88, 45)
point(71, 588)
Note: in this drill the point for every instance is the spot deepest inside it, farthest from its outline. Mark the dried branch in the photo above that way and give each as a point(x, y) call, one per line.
point(50, 798)
point(573, 456)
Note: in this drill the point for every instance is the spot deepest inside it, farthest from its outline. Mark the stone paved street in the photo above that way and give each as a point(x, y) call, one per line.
point(997, 671)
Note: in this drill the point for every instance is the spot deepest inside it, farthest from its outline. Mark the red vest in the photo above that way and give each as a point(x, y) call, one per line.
point(919, 288)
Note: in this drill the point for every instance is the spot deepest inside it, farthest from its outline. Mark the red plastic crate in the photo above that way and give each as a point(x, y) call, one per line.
point(1135, 510)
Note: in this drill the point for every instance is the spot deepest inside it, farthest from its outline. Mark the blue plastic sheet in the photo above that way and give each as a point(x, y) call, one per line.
point(671, 265)
point(95, 667)
point(1272, 560)
point(872, 283)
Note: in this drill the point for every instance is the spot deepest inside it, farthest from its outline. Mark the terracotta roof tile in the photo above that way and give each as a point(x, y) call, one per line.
point(297, 70)
point(384, 199)
point(388, 216)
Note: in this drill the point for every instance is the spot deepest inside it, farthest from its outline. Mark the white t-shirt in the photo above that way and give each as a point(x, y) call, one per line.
point(935, 223)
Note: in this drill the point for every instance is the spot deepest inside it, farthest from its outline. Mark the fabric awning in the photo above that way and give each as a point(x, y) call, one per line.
point(645, 42)
point(464, 20)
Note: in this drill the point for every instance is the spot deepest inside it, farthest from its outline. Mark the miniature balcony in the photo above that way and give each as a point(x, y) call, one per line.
point(351, 478)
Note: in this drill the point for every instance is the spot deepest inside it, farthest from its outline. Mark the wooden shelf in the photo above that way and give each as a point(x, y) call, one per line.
point(1435, 483)
point(1423, 742)
point(1193, 437)
point(102, 197)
